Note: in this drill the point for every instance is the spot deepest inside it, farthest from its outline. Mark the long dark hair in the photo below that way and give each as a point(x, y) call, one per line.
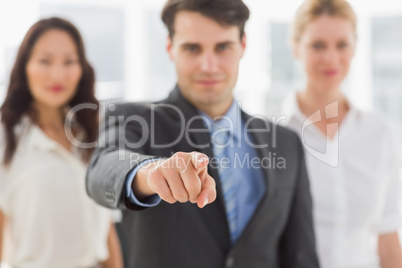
point(18, 99)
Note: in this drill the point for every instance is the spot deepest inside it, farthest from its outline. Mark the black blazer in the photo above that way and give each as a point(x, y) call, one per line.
point(280, 233)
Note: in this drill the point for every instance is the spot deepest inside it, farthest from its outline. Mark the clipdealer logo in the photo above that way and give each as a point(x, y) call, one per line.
point(114, 133)
point(331, 154)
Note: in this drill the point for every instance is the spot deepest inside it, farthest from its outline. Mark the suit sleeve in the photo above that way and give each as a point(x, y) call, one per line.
point(151, 201)
point(298, 247)
point(121, 147)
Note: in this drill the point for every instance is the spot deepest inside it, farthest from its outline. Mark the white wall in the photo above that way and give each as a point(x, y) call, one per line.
point(254, 78)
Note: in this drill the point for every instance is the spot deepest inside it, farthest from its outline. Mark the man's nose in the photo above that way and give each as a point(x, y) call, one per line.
point(209, 62)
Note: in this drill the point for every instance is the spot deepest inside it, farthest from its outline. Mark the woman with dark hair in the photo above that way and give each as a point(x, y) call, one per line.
point(52, 222)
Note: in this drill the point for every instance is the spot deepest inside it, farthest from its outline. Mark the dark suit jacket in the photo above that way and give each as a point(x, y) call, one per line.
point(280, 234)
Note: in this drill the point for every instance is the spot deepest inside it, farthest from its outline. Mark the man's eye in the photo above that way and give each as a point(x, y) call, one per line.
point(192, 48)
point(343, 45)
point(222, 47)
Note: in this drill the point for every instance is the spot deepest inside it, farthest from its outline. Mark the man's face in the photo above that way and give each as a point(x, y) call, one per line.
point(207, 56)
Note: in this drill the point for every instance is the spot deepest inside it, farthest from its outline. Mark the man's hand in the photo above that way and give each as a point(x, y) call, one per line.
point(183, 177)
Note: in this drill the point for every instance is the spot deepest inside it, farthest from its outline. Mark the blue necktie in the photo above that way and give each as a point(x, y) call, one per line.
point(221, 140)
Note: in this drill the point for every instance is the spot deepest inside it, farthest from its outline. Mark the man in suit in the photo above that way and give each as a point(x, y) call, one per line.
point(200, 182)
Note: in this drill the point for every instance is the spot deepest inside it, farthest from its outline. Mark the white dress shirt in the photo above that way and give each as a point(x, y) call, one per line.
point(355, 183)
point(53, 223)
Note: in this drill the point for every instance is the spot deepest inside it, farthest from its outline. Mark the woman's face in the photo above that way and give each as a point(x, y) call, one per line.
point(53, 69)
point(326, 49)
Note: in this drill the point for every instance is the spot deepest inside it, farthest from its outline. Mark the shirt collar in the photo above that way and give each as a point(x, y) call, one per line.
point(291, 110)
point(33, 137)
point(231, 120)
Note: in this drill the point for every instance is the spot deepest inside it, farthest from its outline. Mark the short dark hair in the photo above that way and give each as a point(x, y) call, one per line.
point(225, 12)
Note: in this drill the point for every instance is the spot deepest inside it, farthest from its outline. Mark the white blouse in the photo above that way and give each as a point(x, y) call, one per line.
point(53, 223)
point(355, 183)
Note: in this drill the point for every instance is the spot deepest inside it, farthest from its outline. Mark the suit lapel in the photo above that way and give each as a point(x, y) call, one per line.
point(200, 139)
point(259, 138)
point(262, 138)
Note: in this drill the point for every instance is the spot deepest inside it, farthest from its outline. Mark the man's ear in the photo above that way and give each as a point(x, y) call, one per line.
point(243, 43)
point(169, 45)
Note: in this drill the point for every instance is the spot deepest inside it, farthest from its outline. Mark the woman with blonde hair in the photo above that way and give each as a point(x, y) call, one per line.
point(52, 222)
point(351, 155)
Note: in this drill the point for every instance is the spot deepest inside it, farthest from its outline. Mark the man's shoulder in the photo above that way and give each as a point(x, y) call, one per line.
point(161, 113)
point(130, 108)
point(123, 107)
point(283, 134)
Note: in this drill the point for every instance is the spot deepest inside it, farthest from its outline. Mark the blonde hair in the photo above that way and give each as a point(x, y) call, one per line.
point(312, 9)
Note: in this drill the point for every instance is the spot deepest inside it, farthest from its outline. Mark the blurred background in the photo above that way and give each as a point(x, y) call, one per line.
point(125, 42)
